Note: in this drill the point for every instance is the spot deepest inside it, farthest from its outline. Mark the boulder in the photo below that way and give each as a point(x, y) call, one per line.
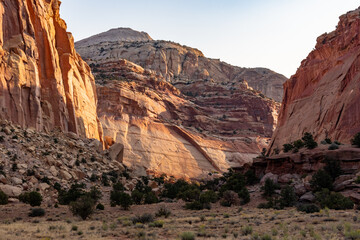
point(116, 152)
point(307, 197)
point(16, 181)
point(270, 176)
point(66, 175)
point(11, 191)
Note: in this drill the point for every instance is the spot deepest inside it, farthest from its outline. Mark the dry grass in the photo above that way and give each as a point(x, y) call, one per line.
point(217, 223)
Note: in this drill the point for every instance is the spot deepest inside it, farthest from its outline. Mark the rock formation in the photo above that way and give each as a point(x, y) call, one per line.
point(164, 131)
point(177, 64)
point(43, 81)
point(323, 97)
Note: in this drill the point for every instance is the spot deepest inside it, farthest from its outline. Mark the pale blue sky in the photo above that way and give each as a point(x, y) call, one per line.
point(275, 34)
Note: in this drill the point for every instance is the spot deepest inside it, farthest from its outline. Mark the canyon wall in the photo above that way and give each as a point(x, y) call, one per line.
point(178, 64)
point(323, 97)
point(44, 83)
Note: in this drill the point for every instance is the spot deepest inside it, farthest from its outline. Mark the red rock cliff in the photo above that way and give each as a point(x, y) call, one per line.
point(43, 81)
point(323, 97)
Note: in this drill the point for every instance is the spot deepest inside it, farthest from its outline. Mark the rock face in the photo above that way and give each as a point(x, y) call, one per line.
point(43, 81)
point(164, 131)
point(179, 65)
point(116, 35)
point(323, 97)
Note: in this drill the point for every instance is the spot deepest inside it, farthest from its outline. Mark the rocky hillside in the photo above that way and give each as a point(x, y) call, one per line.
point(178, 64)
point(43, 81)
point(323, 97)
point(164, 131)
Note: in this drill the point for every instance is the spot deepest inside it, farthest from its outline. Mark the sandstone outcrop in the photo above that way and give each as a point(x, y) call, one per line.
point(164, 131)
point(323, 97)
point(179, 65)
point(44, 83)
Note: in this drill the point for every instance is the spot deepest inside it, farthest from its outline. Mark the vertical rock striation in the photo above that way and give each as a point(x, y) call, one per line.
point(44, 83)
point(323, 97)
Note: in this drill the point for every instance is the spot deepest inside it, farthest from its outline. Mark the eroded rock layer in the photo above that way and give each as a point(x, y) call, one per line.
point(323, 97)
point(178, 64)
point(43, 81)
point(164, 131)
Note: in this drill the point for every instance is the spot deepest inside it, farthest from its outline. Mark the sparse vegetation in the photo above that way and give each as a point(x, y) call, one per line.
point(37, 212)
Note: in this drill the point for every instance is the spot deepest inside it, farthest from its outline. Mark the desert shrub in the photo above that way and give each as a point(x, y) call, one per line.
point(309, 141)
point(308, 208)
point(3, 198)
point(333, 200)
point(57, 186)
point(287, 147)
point(274, 202)
point(93, 178)
point(276, 151)
point(141, 187)
point(187, 236)
point(235, 182)
point(157, 224)
point(230, 198)
point(83, 207)
point(269, 188)
point(328, 140)
point(251, 178)
point(145, 218)
point(298, 144)
point(333, 167)
point(356, 140)
point(163, 211)
point(75, 192)
point(321, 179)
point(118, 187)
point(352, 235)
point(208, 197)
point(120, 198)
point(287, 196)
point(196, 205)
point(189, 193)
point(171, 190)
point(333, 146)
point(37, 212)
point(150, 198)
point(246, 230)
point(137, 196)
point(100, 206)
point(32, 198)
point(95, 194)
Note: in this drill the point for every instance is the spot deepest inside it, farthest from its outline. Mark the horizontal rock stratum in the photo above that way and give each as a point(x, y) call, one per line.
point(176, 63)
point(44, 83)
point(323, 97)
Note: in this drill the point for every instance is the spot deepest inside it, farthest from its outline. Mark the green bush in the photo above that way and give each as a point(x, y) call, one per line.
point(246, 230)
point(171, 190)
point(145, 218)
point(308, 208)
point(321, 179)
point(75, 192)
point(287, 197)
point(287, 147)
point(328, 140)
point(333, 146)
point(251, 178)
point(37, 212)
point(187, 236)
point(95, 194)
point(208, 197)
point(118, 187)
point(333, 200)
point(137, 197)
point(189, 193)
point(32, 198)
point(83, 206)
point(100, 206)
point(197, 205)
point(3, 198)
point(356, 140)
point(333, 167)
point(150, 198)
point(298, 144)
point(244, 195)
point(157, 224)
point(309, 141)
point(269, 188)
point(163, 211)
point(120, 198)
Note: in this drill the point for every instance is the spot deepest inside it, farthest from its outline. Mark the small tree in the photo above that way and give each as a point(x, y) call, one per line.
point(309, 141)
point(269, 188)
point(287, 196)
point(321, 179)
point(356, 140)
point(287, 147)
point(83, 207)
point(32, 198)
point(120, 198)
point(333, 167)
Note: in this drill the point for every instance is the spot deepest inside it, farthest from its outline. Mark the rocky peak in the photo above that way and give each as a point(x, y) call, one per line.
point(323, 96)
point(116, 35)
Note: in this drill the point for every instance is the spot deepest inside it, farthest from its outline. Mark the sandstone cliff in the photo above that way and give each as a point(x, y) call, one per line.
point(323, 97)
point(176, 63)
point(164, 131)
point(43, 81)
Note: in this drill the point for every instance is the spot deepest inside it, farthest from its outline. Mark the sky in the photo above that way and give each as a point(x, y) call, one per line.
point(275, 34)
